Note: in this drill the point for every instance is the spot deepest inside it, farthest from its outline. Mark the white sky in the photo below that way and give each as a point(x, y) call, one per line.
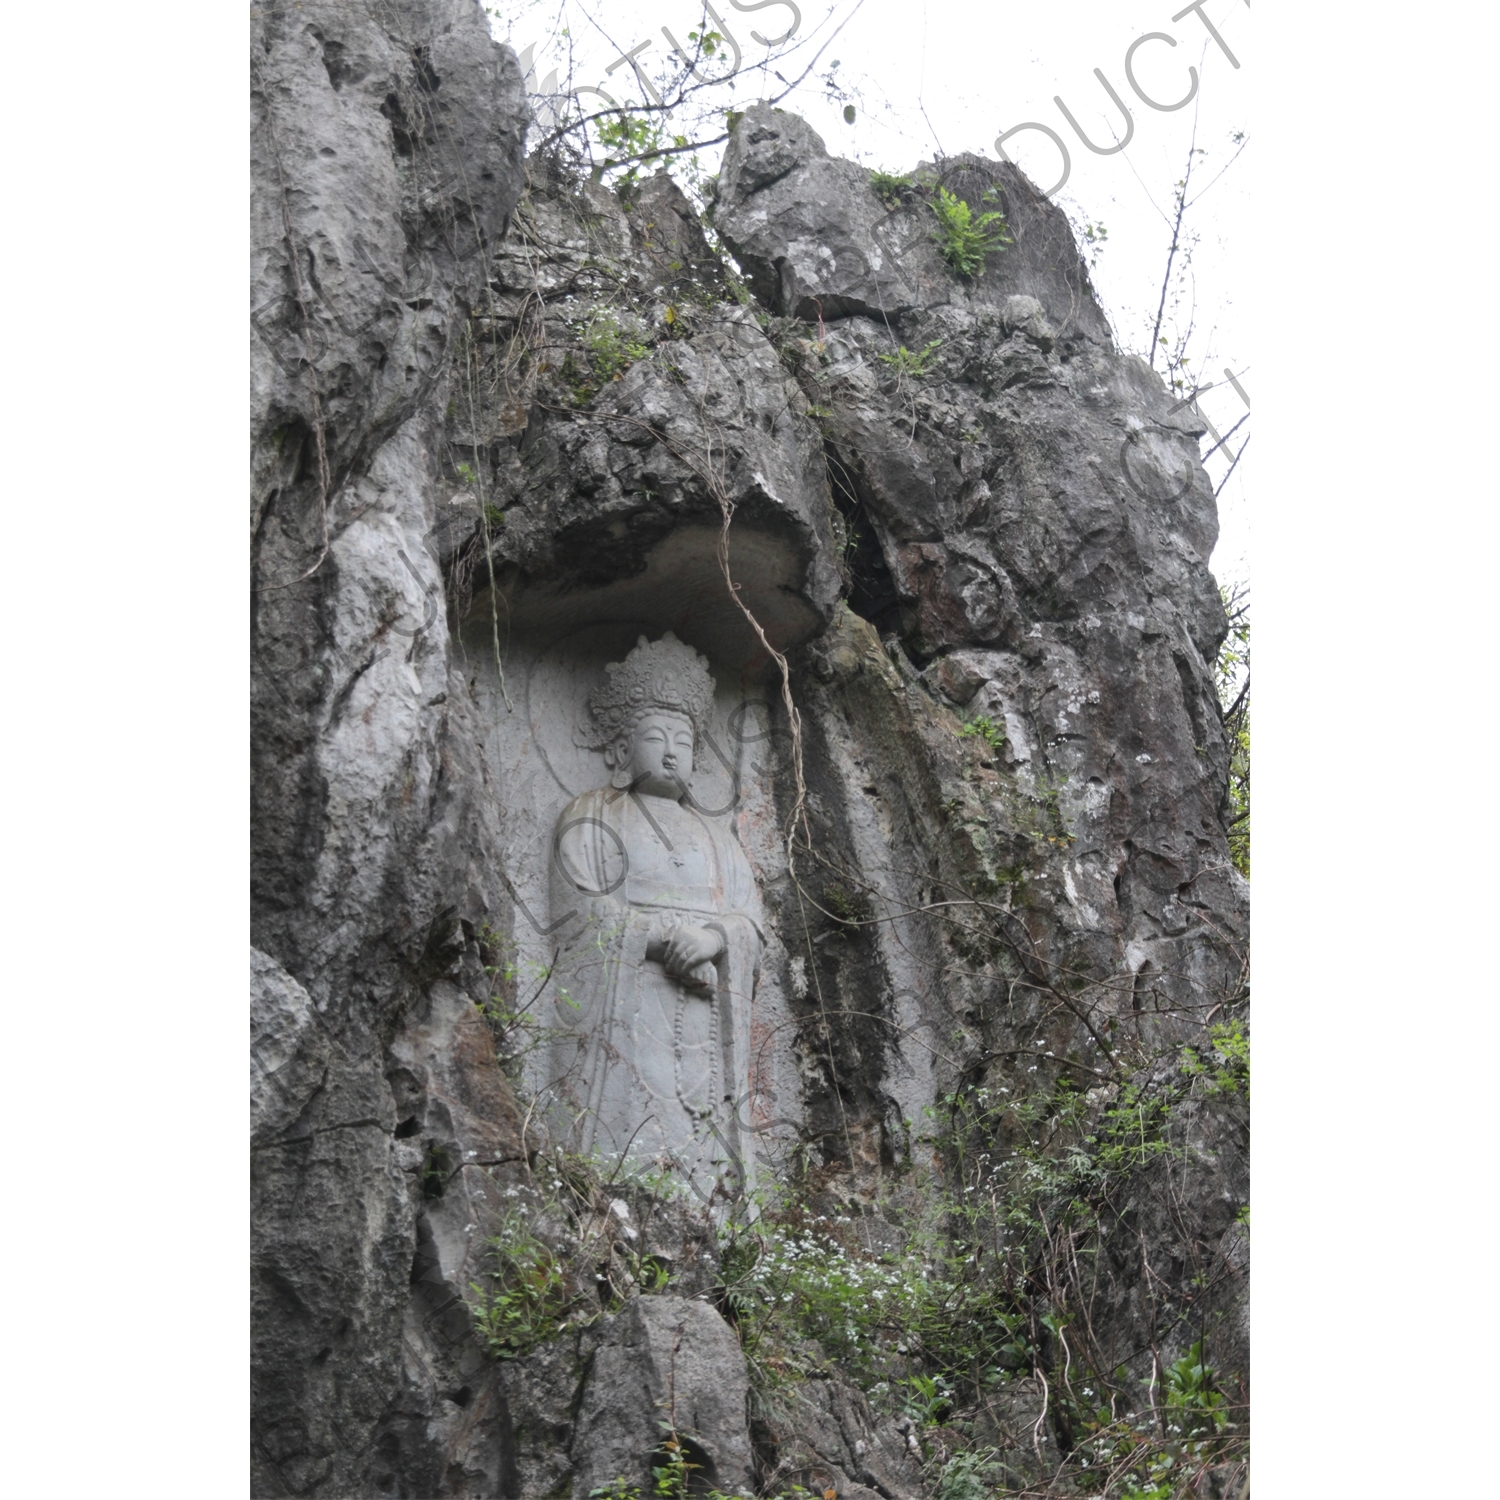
point(930, 76)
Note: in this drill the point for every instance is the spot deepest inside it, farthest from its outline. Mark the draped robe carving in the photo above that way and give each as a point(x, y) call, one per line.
point(649, 1063)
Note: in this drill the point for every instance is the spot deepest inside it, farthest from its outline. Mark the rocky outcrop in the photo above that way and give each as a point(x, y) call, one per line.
point(665, 1364)
point(386, 165)
point(1031, 529)
point(496, 435)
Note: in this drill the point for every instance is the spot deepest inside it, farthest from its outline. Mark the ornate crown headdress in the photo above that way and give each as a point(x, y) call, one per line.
point(662, 676)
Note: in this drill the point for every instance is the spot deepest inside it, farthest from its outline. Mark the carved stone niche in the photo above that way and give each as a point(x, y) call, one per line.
point(627, 826)
point(627, 820)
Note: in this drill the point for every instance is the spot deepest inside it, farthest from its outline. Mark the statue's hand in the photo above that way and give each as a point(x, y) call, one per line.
point(691, 952)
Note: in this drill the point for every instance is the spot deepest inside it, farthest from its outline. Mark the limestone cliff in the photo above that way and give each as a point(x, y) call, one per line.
point(505, 419)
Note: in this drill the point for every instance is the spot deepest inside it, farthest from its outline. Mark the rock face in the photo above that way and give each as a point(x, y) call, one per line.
point(386, 165)
point(496, 439)
point(1030, 529)
point(663, 1360)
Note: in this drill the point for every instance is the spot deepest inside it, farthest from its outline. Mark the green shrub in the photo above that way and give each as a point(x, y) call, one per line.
point(907, 362)
point(964, 240)
point(928, 1400)
point(968, 1476)
point(612, 350)
point(1228, 1063)
point(849, 907)
point(626, 140)
point(889, 187)
point(529, 1301)
point(982, 727)
point(1155, 1464)
point(871, 1314)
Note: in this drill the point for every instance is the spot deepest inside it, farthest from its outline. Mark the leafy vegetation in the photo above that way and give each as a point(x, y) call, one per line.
point(1152, 1460)
point(889, 187)
point(967, 1298)
point(949, 1309)
point(968, 1476)
point(564, 1254)
point(631, 142)
point(982, 727)
point(671, 1476)
point(926, 1329)
point(529, 1300)
point(1227, 1064)
point(849, 907)
point(613, 350)
point(909, 362)
point(964, 239)
point(1095, 236)
point(609, 349)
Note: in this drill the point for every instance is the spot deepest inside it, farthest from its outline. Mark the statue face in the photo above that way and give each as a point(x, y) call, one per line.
point(659, 755)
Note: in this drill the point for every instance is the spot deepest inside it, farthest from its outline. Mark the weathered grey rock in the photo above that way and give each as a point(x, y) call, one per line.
point(613, 474)
point(386, 154)
point(387, 149)
point(812, 236)
point(386, 160)
point(288, 1051)
point(665, 1365)
point(1033, 529)
point(833, 1441)
point(330, 1271)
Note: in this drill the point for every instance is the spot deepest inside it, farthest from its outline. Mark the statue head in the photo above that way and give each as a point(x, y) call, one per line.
point(649, 713)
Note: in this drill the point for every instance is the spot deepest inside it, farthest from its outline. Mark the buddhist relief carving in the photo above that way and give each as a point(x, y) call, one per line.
point(661, 948)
